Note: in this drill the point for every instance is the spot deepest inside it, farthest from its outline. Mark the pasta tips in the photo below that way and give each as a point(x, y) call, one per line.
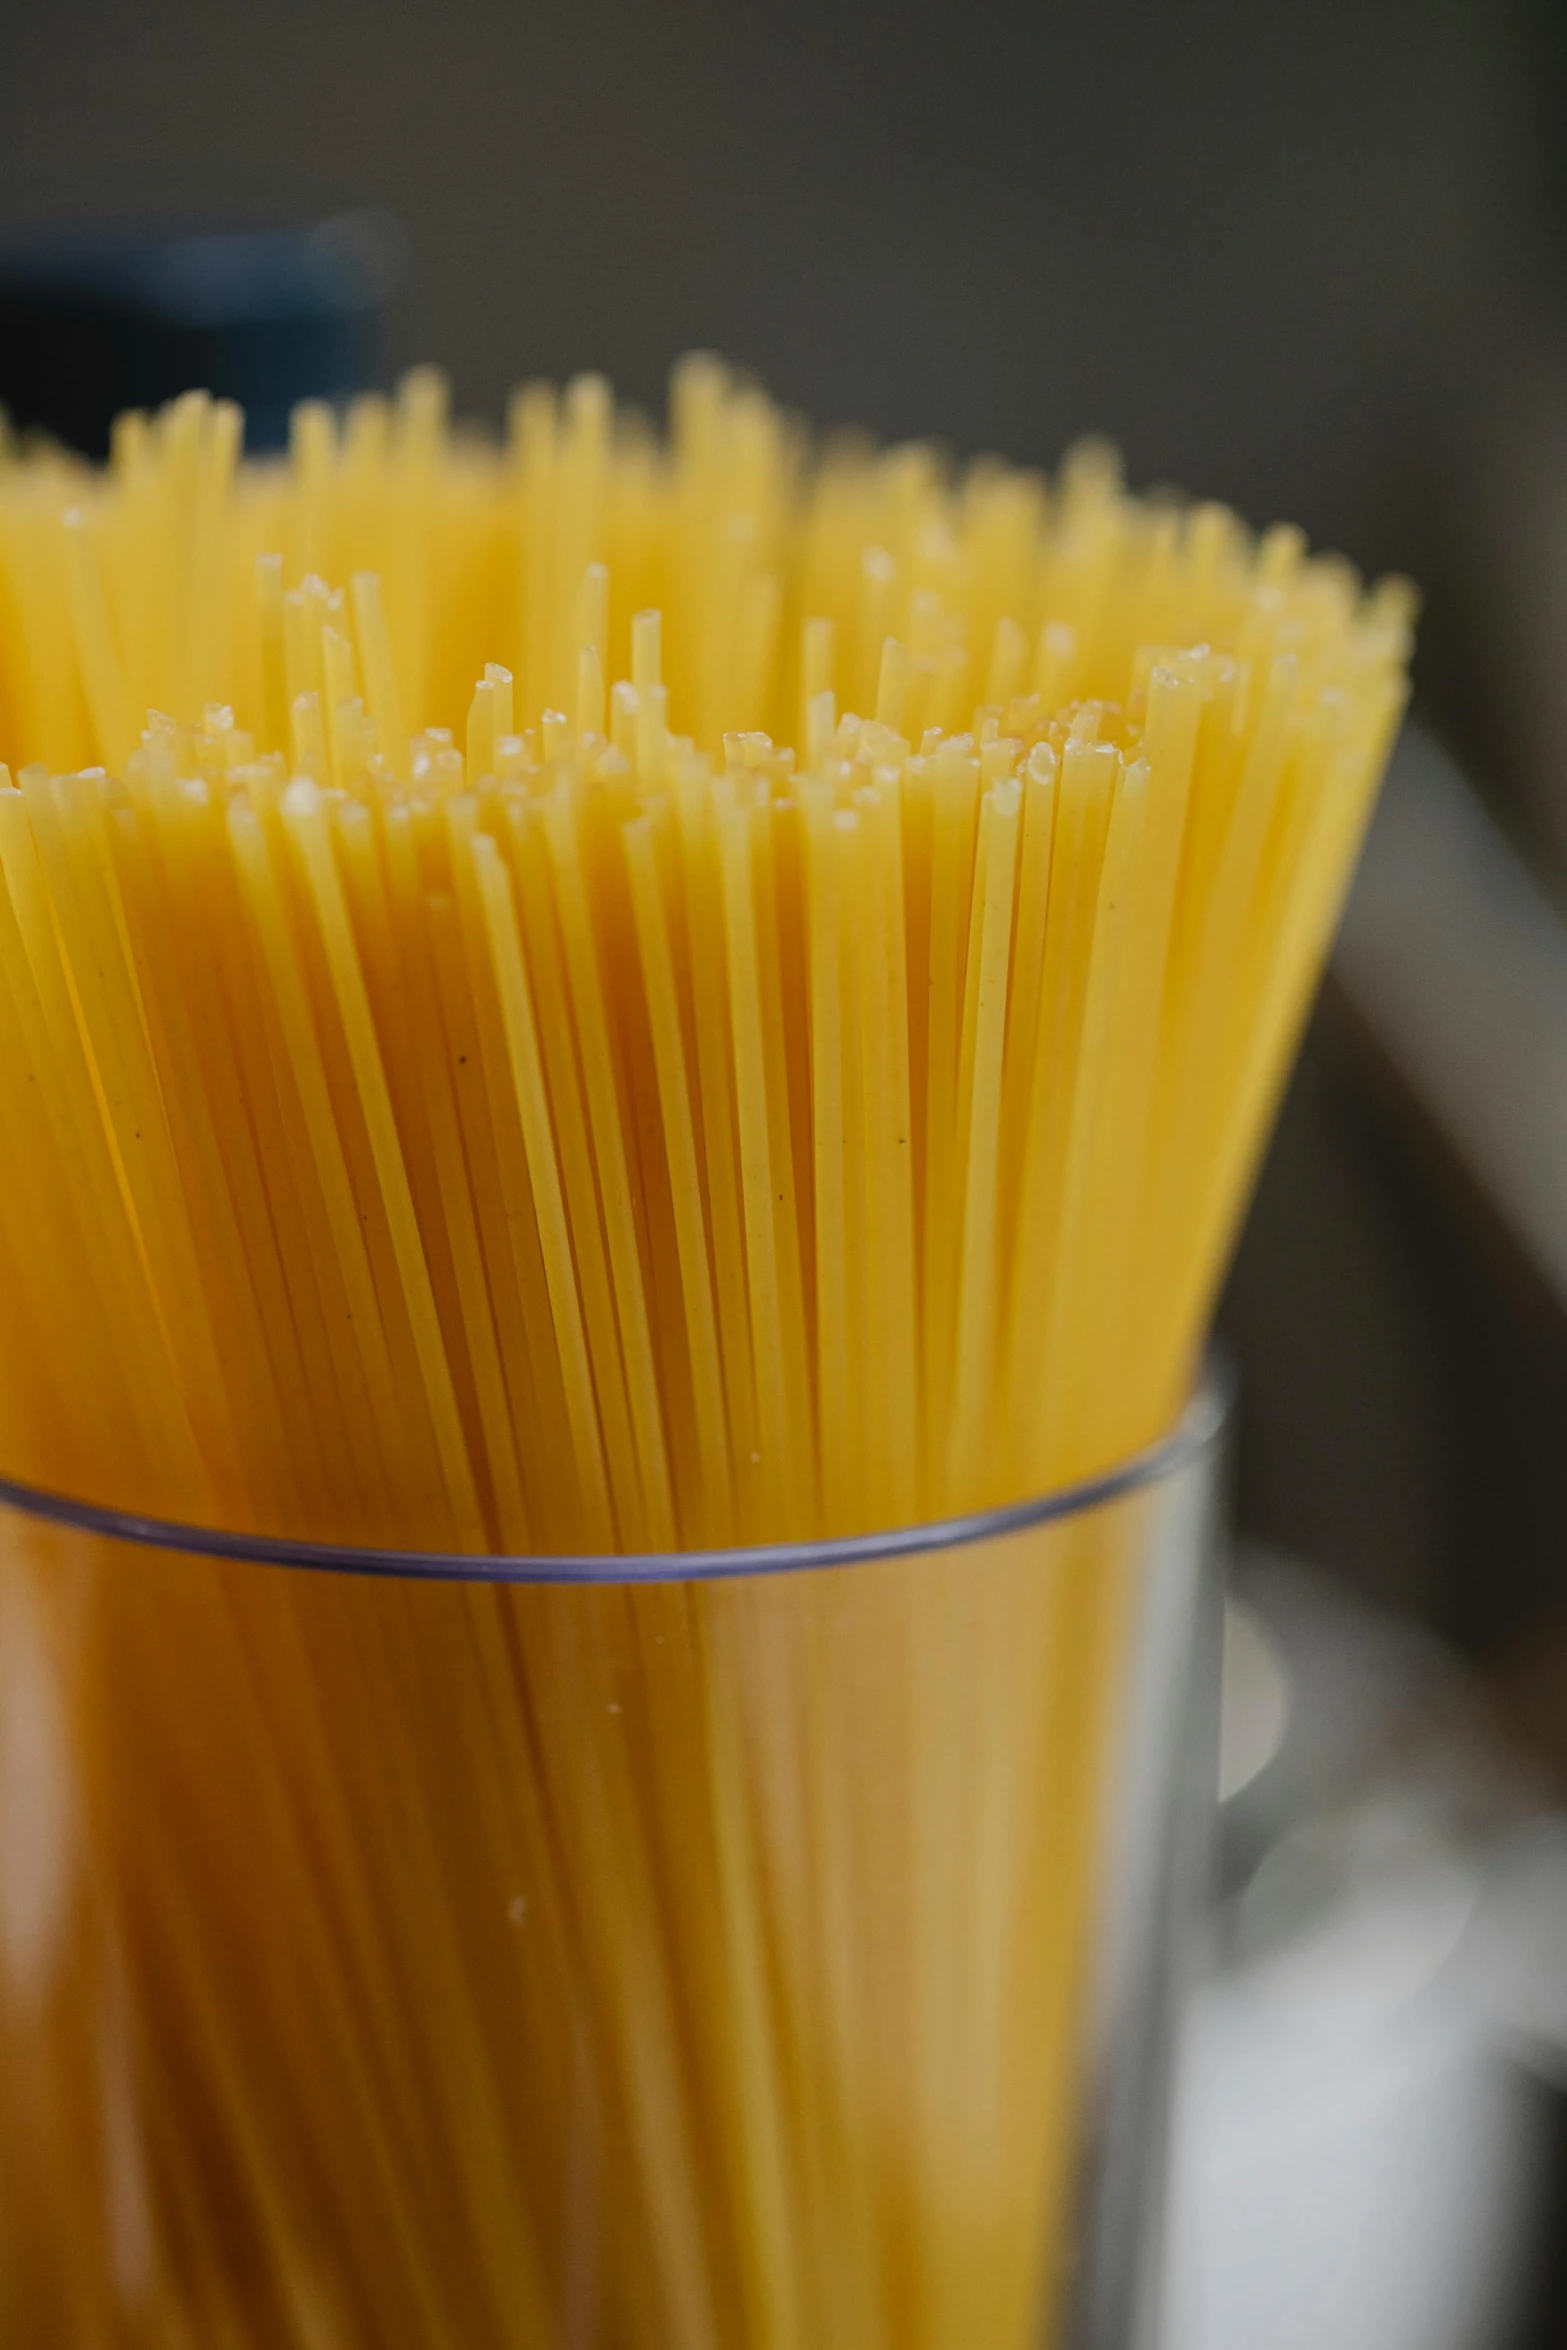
point(626, 994)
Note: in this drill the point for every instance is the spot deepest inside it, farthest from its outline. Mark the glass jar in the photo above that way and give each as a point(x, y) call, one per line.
point(764, 1950)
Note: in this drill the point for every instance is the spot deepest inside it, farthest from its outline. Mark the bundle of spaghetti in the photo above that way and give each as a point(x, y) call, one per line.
point(783, 1054)
point(591, 996)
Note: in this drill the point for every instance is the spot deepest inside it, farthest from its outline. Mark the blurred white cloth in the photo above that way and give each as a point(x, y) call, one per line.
point(1361, 2118)
point(1356, 2155)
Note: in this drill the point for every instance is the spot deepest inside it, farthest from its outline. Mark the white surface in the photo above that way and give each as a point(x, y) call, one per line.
point(1355, 2155)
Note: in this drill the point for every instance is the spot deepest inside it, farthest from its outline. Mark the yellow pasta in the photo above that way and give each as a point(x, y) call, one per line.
point(1045, 1125)
point(597, 995)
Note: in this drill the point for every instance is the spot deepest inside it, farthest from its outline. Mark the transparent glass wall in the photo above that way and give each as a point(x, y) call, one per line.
point(771, 1957)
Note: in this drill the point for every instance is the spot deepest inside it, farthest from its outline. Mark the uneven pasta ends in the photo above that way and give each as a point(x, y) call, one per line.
point(596, 995)
point(781, 1054)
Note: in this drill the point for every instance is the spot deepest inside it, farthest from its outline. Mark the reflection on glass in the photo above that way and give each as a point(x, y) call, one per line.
point(770, 1959)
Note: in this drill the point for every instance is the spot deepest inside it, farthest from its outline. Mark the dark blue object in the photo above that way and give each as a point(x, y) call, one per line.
point(94, 320)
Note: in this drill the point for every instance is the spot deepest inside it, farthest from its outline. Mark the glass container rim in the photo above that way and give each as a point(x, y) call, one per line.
point(1194, 1434)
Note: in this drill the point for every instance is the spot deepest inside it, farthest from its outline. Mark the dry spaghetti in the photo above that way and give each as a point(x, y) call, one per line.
point(552, 1114)
point(548, 1114)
